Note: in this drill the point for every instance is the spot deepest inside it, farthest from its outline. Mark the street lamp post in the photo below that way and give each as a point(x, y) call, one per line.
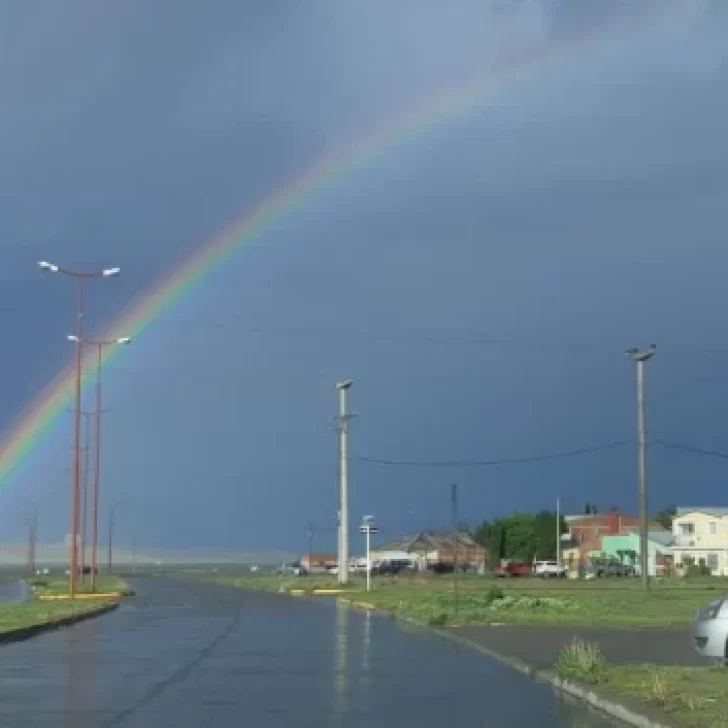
point(99, 344)
point(343, 427)
point(640, 356)
point(368, 528)
point(84, 491)
point(80, 277)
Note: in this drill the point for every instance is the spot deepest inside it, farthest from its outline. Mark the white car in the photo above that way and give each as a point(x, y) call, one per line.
point(549, 569)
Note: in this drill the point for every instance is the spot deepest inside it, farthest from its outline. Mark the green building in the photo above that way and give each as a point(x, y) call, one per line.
point(620, 548)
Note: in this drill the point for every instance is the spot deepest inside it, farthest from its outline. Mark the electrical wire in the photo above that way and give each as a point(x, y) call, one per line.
point(689, 448)
point(499, 461)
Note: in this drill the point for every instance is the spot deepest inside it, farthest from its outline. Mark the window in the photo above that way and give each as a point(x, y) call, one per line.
point(711, 528)
point(713, 560)
point(687, 529)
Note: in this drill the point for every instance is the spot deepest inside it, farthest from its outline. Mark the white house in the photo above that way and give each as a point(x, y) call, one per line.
point(701, 532)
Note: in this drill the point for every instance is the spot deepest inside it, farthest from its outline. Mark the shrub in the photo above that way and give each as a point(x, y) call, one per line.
point(494, 594)
point(438, 620)
point(582, 661)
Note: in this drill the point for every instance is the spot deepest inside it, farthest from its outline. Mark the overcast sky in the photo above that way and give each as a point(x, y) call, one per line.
point(479, 282)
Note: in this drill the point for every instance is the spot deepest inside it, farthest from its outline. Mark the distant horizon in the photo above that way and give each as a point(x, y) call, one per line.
point(57, 553)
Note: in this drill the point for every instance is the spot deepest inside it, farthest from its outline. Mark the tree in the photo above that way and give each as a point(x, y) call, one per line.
point(666, 516)
point(491, 536)
point(590, 509)
point(520, 536)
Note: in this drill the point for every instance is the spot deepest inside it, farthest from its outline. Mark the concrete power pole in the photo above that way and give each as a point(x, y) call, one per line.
point(343, 427)
point(640, 356)
point(558, 532)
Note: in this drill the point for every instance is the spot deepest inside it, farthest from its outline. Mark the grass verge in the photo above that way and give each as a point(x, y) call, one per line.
point(17, 619)
point(690, 696)
point(430, 599)
point(43, 586)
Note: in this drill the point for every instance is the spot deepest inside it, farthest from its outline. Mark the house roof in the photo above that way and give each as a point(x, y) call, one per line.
point(664, 538)
point(717, 511)
point(429, 540)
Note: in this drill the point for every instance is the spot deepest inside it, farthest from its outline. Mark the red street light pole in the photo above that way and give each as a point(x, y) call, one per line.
point(99, 344)
point(84, 491)
point(80, 277)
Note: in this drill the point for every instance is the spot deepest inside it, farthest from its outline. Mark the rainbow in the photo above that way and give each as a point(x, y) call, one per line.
point(34, 422)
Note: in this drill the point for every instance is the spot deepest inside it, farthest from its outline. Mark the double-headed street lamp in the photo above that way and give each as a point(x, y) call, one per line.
point(368, 528)
point(99, 344)
point(80, 277)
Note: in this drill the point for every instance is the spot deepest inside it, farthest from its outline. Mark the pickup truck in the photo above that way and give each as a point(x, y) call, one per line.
point(513, 568)
point(549, 569)
point(614, 569)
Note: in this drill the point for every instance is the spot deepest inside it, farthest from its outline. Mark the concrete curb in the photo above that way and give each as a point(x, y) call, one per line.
point(25, 633)
point(61, 597)
point(629, 712)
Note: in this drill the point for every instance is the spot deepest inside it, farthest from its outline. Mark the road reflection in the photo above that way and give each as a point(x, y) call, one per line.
point(341, 671)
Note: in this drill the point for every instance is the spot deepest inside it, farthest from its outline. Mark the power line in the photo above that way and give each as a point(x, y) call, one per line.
point(689, 448)
point(500, 461)
point(667, 444)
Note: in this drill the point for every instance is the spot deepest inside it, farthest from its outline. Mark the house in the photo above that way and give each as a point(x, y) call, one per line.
point(318, 562)
point(701, 532)
point(659, 550)
point(586, 532)
point(429, 549)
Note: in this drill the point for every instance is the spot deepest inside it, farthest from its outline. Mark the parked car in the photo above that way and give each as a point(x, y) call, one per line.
point(549, 570)
point(710, 630)
point(513, 568)
point(294, 569)
point(610, 569)
point(391, 566)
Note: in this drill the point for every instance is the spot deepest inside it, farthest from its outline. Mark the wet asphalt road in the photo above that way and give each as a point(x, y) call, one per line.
point(185, 653)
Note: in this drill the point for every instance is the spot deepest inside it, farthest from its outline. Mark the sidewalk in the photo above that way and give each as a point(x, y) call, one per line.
point(540, 646)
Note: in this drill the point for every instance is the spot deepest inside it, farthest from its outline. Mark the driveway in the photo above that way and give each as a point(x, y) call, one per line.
point(540, 646)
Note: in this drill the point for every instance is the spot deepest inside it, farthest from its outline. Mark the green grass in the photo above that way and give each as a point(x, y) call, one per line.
point(57, 586)
point(691, 696)
point(430, 599)
point(33, 613)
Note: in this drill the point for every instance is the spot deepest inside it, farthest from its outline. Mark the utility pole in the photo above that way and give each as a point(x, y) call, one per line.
point(111, 537)
point(640, 356)
point(454, 500)
point(310, 546)
point(31, 547)
point(558, 532)
point(32, 535)
point(343, 427)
